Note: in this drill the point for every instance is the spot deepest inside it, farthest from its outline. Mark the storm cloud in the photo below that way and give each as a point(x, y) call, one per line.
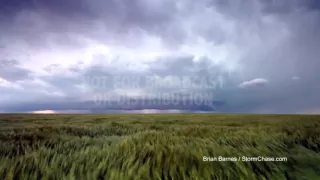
point(239, 56)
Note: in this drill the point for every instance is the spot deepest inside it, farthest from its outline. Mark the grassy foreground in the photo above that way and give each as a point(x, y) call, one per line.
point(169, 146)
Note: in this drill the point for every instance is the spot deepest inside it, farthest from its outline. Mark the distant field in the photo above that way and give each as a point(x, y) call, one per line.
point(168, 146)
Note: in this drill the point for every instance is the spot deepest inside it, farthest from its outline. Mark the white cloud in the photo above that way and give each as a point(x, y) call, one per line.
point(155, 111)
point(44, 112)
point(71, 111)
point(296, 78)
point(253, 82)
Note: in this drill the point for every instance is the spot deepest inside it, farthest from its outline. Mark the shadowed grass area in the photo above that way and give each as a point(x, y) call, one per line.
point(168, 146)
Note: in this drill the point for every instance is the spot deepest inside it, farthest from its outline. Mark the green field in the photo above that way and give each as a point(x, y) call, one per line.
point(167, 146)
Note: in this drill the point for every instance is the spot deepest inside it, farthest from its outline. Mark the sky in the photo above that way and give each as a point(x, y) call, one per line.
point(154, 56)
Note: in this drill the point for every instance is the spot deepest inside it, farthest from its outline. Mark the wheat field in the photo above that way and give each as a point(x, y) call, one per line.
point(159, 146)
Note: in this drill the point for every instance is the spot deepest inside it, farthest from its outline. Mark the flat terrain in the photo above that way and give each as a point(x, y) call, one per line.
point(168, 146)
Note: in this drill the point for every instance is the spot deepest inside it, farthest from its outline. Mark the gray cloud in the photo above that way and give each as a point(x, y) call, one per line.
point(52, 47)
point(10, 70)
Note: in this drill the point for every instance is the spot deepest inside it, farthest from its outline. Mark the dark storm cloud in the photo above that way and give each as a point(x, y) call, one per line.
point(115, 19)
point(288, 6)
point(48, 103)
point(118, 15)
point(10, 7)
